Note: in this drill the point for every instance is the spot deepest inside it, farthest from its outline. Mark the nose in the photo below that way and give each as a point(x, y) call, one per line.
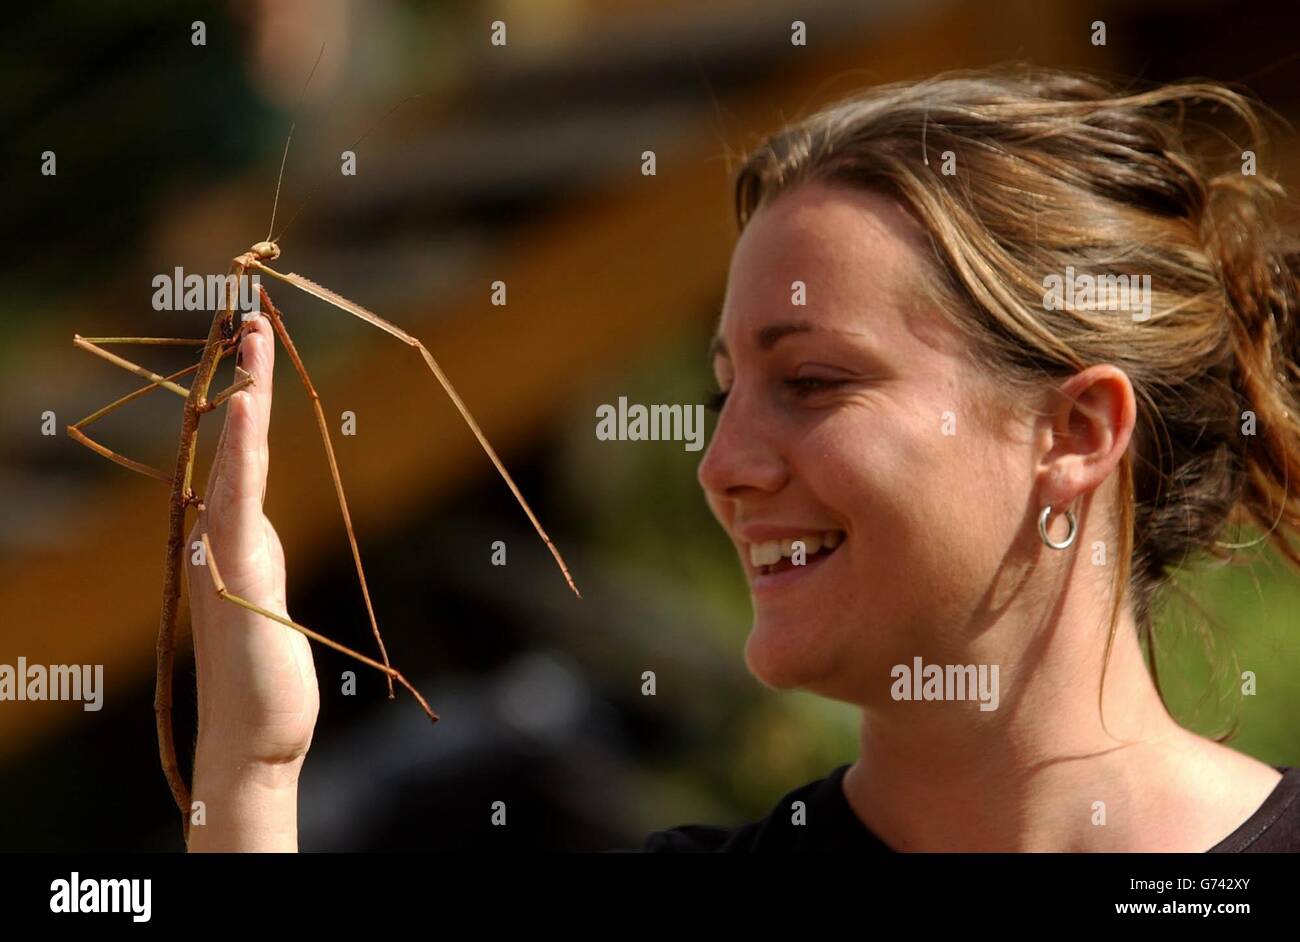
point(741, 456)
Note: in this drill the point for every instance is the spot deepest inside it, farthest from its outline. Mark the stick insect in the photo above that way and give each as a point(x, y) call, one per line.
point(222, 340)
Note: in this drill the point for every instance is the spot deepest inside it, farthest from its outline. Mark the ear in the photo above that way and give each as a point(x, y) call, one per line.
point(1091, 422)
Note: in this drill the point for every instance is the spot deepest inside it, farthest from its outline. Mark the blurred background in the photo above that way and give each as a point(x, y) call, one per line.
point(522, 164)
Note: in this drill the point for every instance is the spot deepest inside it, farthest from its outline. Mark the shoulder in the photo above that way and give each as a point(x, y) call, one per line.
point(1275, 826)
point(812, 818)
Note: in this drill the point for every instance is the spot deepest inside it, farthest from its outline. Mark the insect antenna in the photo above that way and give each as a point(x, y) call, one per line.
point(353, 146)
point(288, 140)
point(278, 180)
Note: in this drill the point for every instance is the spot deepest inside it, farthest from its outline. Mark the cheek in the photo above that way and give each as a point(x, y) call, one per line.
point(967, 511)
point(865, 467)
point(923, 498)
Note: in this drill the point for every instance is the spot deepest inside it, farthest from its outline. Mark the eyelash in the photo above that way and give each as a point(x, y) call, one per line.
point(803, 386)
point(807, 385)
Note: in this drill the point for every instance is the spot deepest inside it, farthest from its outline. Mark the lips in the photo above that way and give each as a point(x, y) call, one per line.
point(771, 581)
point(768, 550)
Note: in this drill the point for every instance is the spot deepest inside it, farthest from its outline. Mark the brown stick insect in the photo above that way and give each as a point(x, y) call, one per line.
point(222, 340)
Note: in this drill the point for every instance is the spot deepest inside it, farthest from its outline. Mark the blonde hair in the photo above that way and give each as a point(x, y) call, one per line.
point(1054, 170)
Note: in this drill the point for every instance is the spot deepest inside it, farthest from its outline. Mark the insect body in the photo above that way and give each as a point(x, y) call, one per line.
point(222, 340)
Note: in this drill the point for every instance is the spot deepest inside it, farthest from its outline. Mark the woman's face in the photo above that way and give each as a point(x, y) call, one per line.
point(854, 420)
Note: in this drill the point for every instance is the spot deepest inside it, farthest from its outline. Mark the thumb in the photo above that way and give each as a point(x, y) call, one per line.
point(238, 481)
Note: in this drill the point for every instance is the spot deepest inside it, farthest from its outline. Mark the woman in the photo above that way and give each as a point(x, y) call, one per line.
point(999, 350)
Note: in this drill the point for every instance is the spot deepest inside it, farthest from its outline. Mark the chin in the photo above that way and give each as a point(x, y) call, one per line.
point(784, 657)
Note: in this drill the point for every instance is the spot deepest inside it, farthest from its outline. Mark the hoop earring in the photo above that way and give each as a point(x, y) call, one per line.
point(1069, 537)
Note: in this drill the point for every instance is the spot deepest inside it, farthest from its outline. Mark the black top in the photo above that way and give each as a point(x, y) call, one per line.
point(831, 826)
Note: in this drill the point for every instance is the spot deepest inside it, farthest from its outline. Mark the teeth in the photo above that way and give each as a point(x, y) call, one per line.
point(770, 552)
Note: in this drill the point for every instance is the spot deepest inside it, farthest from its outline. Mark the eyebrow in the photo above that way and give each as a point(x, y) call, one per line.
point(766, 337)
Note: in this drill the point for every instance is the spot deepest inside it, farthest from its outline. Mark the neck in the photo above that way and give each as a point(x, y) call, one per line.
point(1027, 776)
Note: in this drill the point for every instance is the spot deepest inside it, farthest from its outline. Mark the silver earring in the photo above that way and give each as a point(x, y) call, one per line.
point(1069, 537)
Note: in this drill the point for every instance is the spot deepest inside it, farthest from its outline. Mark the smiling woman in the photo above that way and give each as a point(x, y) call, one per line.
point(891, 370)
point(955, 497)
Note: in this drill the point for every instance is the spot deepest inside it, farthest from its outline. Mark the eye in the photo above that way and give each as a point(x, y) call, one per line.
point(807, 385)
point(715, 401)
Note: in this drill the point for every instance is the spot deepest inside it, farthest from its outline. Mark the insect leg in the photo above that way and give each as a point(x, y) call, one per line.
point(286, 341)
point(225, 594)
